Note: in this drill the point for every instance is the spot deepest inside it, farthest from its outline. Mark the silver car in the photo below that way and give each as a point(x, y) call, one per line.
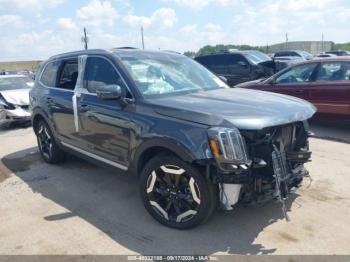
point(14, 99)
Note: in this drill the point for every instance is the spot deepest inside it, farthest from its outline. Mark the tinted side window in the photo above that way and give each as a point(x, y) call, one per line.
point(295, 54)
point(69, 75)
point(334, 71)
point(211, 60)
point(100, 72)
point(297, 74)
point(279, 54)
point(49, 74)
point(235, 59)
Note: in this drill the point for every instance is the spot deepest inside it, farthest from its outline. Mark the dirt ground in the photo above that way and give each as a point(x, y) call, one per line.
point(80, 208)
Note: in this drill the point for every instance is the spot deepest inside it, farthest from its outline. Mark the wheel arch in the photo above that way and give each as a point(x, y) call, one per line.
point(39, 114)
point(36, 119)
point(149, 149)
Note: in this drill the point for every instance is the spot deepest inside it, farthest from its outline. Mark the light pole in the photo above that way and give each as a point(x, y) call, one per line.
point(143, 43)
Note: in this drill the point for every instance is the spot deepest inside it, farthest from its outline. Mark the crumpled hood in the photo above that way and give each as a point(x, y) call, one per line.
point(243, 108)
point(17, 97)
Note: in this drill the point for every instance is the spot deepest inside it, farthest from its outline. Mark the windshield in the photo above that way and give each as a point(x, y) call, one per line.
point(12, 83)
point(306, 54)
point(162, 74)
point(257, 57)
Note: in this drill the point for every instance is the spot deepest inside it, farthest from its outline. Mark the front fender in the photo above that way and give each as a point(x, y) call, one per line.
point(183, 151)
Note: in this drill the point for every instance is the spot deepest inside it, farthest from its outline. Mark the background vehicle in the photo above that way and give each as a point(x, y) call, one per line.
point(326, 55)
point(286, 61)
point(339, 52)
point(293, 53)
point(14, 98)
point(238, 66)
point(166, 119)
point(324, 82)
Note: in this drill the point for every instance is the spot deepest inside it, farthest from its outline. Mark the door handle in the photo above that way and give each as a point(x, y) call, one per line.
point(84, 108)
point(299, 91)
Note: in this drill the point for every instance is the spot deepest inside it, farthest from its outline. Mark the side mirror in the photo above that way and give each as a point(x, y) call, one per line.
point(242, 63)
point(109, 92)
point(272, 81)
point(223, 79)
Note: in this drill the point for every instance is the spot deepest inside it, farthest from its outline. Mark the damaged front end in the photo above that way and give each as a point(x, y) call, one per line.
point(13, 113)
point(272, 167)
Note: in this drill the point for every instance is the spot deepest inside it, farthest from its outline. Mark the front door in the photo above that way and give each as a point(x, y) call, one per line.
point(104, 125)
point(294, 82)
point(330, 92)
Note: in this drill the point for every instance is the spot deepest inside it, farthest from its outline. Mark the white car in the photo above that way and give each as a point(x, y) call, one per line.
point(14, 98)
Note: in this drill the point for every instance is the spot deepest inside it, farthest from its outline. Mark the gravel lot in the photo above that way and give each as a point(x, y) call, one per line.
point(79, 208)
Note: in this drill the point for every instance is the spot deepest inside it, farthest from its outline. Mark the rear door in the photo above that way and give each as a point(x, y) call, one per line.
point(330, 92)
point(59, 78)
point(238, 69)
point(294, 81)
point(215, 63)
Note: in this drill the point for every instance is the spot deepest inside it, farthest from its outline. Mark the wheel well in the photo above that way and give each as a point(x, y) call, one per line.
point(36, 120)
point(150, 153)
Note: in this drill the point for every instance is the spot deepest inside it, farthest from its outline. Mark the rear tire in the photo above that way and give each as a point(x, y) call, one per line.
point(49, 150)
point(175, 193)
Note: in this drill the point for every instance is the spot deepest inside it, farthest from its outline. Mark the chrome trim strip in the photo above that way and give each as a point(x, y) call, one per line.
point(96, 156)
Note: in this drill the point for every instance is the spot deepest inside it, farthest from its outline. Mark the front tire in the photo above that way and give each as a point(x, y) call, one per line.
point(175, 193)
point(49, 150)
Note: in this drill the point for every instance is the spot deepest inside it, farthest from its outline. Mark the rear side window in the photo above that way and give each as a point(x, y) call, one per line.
point(334, 71)
point(286, 53)
point(98, 73)
point(69, 75)
point(216, 63)
point(49, 75)
point(221, 60)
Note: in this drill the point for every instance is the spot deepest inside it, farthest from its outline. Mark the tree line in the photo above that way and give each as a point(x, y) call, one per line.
point(209, 49)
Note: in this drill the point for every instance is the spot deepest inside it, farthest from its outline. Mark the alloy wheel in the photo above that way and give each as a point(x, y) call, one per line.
point(45, 141)
point(173, 193)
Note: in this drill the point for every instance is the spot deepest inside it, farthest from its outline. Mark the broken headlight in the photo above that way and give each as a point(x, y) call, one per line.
point(5, 105)
point(227, 145)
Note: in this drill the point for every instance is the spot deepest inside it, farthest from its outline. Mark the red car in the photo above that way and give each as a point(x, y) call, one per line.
point(324, 82)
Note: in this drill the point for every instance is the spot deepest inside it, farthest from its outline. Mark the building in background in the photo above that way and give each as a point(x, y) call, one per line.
point(313, 47)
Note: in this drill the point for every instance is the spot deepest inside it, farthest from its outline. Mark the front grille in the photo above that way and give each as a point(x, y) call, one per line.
point(288, 139)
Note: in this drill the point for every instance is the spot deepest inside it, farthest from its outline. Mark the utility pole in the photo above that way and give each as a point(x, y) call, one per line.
point(85, 39)
point(286, 41)
point(143, 42)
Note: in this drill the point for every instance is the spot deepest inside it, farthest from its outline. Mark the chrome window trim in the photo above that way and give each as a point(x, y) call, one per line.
point(102, 159)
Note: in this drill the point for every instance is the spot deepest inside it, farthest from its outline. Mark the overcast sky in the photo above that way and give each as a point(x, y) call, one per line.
point(37, 29)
